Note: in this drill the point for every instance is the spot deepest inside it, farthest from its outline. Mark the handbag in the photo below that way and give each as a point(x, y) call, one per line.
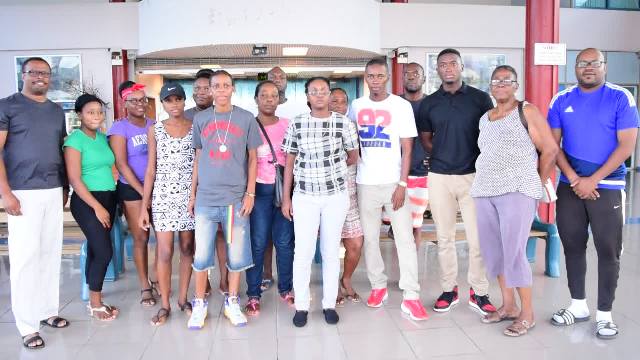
point(548, 190)
point(279, 183)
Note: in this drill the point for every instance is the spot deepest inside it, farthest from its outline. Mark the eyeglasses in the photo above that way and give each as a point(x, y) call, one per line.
point(504, 82)
point(319, 92)
point(202, 89)
point(36, 74)
point(135, 101)
point(592, 64)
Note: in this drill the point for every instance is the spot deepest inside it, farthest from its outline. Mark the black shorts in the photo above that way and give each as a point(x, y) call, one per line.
point(127, 193)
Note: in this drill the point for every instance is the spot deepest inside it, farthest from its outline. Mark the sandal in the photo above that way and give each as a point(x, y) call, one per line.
point(519, 328)
point(102, 309)
point(54, 322)
point(612, 332)
point(567, 317)
point(496, 317)
point(33, 341)
point(266, 284)
point(147, 301)
point(288, 298)
point(253, 307)
point(155, 287)
point(114, 310)
point(186, 307)
point(163, 313)
point(353, 297)
point(340, 300)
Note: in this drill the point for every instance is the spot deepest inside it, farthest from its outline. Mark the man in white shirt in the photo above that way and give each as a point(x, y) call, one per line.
point(386, 127)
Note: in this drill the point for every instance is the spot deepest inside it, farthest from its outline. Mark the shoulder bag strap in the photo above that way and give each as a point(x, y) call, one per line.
point(264, 132)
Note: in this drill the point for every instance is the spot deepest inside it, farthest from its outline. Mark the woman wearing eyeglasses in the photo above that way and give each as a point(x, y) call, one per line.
point(319, 146)
point(128, 140)
point(507, 185)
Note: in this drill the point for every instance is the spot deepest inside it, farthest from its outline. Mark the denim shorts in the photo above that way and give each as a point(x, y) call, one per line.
point(236, 233)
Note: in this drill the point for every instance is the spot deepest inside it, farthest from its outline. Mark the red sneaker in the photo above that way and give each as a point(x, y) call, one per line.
point(446, 300)
point(377, 297)
point(414, 309)
point(481, 303)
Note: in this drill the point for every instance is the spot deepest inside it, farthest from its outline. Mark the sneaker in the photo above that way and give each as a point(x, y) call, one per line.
point(414, 309)
point(377, 297)
point(253, 306)
point(446, 300)
point(300, 318)
point(288, 297)
point(198, 314)
point(331, 316)
point(233, 312)
point(481, 303)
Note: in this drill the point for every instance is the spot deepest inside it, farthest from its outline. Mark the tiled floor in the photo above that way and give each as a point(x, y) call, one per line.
point(362, 333)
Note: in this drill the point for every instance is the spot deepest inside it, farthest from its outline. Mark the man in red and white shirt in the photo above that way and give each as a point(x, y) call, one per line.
point(386, 127)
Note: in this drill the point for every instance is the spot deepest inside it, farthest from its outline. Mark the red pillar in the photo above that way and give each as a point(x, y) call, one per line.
point(397, 71)
point(541, 81)
point(119, 74)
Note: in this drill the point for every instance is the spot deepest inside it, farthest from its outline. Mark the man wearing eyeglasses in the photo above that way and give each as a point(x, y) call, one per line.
point(32, 178)
point(449, 128)
point(386, 127)
point(596, 124)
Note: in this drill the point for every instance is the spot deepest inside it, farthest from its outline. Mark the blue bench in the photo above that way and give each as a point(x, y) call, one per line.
point(552, 248)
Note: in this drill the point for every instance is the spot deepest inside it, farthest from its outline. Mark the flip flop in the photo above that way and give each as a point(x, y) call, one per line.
point(496, 317)
point(150, 301)
point(102, 309)
point(266, 284)
point(54, 322)
point(568, 317)
point(162, 313)
point(606, 325)
point(519, 328)
point(32, 339)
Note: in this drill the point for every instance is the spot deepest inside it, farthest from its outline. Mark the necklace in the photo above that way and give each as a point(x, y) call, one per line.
point(223, 143)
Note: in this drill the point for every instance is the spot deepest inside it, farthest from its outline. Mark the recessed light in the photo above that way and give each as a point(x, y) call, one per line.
point(294, 51)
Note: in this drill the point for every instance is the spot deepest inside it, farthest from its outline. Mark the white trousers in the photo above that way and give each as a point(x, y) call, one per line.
point(310, 213)
point(35, 250)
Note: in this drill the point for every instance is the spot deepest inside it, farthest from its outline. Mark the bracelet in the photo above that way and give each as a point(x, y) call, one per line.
point(402, 183)
point(250, 194)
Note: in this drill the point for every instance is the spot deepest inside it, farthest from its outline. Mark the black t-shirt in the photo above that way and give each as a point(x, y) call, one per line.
point(33, 150)
point(418, 153)
point(454, 121)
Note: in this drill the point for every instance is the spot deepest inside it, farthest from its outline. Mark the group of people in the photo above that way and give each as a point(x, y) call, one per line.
point(227, 181)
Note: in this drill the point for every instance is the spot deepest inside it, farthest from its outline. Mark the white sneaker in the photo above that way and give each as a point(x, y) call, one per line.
point(233, 312)
point(198, 314)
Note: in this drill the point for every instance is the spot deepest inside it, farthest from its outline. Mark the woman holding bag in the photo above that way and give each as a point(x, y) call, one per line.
point(508, 183)
point(267, 221)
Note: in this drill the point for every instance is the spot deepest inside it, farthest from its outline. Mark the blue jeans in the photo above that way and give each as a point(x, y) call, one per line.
point(237, 235)
point(267, 222)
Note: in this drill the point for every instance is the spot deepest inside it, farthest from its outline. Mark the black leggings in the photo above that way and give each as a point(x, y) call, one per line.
point(99, 248)
point(606, 220)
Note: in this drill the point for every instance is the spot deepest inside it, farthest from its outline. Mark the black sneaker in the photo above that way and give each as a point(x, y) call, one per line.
point(300, 318)
point(481, 303)
point(331, 316)
point(446, 300)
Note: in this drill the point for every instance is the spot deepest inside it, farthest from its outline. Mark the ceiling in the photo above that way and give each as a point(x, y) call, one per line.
point(328, 61)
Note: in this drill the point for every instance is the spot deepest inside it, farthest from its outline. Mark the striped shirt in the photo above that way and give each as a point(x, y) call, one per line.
point(320, 146)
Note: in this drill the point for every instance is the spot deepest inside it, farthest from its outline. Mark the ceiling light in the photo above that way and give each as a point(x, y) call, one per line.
point(294, 51)
point(210, 66)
